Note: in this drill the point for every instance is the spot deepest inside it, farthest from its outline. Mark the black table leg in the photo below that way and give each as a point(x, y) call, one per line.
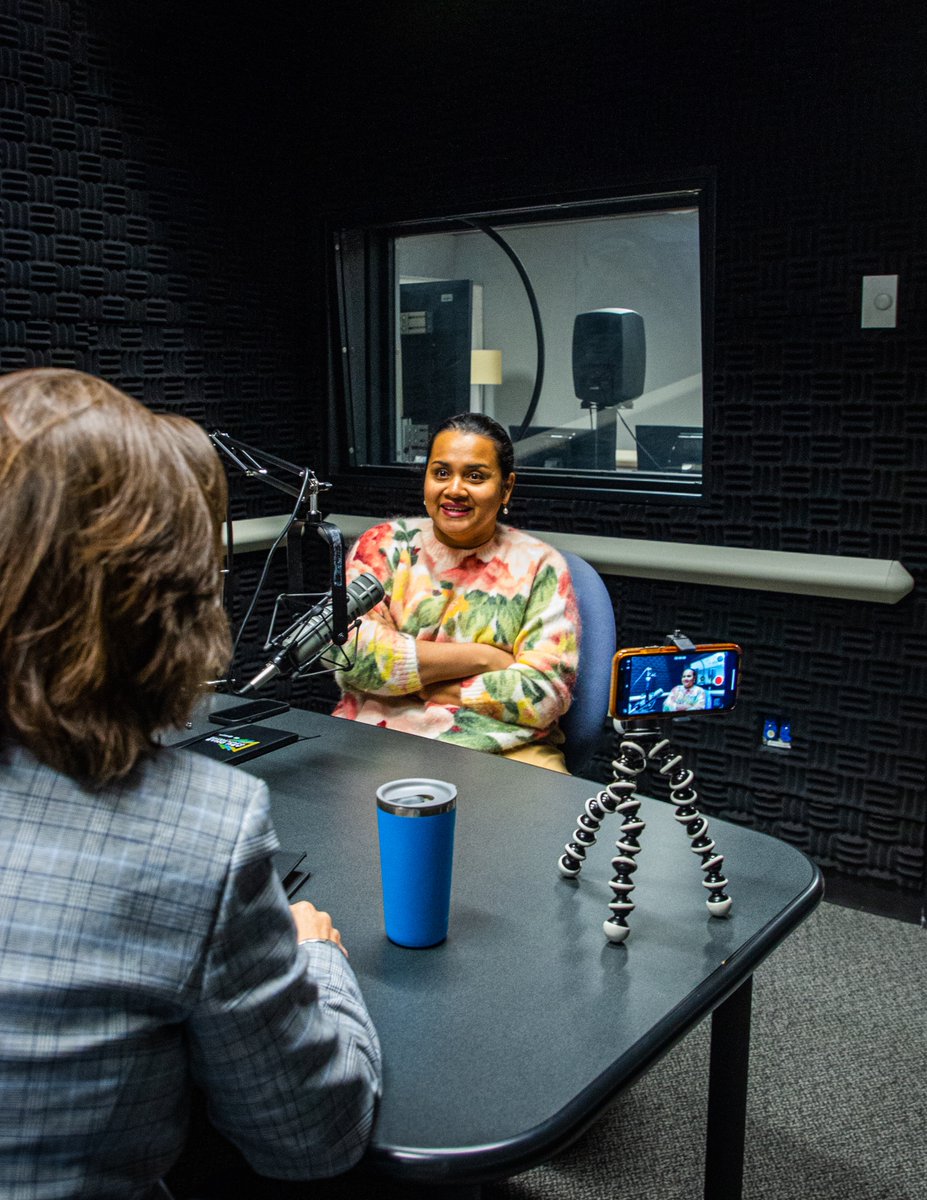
point(727, 1095)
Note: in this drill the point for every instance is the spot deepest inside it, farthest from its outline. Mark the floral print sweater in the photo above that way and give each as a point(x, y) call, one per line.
point(514, 592)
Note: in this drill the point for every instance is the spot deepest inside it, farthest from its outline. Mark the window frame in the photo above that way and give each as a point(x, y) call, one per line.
point(360, 262)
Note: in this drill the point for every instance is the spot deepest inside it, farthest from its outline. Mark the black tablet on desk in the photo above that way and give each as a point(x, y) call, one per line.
point(241, 743)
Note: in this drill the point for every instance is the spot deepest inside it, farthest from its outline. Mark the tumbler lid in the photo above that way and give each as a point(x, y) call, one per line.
point(416, 797)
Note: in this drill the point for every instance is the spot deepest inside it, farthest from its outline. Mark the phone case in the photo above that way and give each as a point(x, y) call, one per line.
point(616, 709)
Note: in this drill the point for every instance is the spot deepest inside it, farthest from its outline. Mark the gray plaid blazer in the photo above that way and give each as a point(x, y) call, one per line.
point(145, 940)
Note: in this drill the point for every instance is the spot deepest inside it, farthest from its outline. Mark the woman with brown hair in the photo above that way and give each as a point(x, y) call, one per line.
point(144, 937)
point(110, 616)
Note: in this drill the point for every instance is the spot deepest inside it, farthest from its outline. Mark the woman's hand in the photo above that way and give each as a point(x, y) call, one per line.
point(439, 662)
point(497, 659)
point(446, 692)
point(314, 926)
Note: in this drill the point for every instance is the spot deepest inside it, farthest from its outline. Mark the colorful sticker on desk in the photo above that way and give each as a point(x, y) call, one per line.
point(232, 744)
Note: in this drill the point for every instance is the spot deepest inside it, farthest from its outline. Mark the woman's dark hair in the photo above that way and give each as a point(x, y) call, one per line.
point(483, 426)
point(110, 571)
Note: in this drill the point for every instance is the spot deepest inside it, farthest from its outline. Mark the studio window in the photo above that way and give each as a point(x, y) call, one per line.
point(582, 327)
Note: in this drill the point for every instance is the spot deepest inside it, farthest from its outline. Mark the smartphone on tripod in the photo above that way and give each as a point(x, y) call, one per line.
point(656, 682)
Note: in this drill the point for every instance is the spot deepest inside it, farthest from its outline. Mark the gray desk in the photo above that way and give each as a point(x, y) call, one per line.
point(502, 1045)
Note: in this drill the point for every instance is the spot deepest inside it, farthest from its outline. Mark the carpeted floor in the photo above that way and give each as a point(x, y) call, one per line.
point(838, 1084)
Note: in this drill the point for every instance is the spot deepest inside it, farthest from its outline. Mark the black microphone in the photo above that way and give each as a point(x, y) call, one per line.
point(312, 635)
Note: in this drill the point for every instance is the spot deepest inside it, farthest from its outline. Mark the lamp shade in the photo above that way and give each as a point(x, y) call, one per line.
point(485, 366)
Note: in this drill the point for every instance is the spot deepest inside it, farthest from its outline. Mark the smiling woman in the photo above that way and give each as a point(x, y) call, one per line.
point(476, 640)
point(468, 479)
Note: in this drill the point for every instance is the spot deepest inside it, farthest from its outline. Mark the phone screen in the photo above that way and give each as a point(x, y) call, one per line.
point(662, 681)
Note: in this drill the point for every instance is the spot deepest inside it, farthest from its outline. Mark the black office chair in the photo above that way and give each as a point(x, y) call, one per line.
point(583, 723)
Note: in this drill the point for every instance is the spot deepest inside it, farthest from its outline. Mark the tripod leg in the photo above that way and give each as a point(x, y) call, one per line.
point(624, 865)
point(683, 797)
point(571, 861)
point(626, 767)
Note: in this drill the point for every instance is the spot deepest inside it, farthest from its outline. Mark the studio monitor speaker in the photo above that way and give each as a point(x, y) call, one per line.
point(609, 357)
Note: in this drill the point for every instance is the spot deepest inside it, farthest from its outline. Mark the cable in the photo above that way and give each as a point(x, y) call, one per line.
point(637, 443)
point(260, 583)
point(535, 313)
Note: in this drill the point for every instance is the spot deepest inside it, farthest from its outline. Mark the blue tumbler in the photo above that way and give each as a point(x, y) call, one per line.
point(415, 821)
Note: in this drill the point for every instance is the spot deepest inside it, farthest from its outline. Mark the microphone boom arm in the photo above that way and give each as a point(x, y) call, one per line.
point(251, 461)
point(256, 463)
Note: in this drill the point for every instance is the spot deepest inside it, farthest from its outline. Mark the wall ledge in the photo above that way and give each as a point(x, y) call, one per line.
point(880, 581)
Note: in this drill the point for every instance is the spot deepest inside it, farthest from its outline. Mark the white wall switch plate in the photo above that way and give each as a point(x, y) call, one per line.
point(880, 302)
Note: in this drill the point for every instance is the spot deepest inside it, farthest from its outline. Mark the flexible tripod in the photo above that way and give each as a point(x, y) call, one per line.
point(619, 797)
